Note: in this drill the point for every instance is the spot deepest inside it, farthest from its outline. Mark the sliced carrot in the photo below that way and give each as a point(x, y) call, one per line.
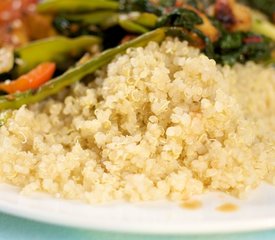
point(32, 80)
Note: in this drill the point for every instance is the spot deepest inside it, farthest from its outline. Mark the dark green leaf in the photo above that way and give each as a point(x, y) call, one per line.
point(231, 41)
point(139, 6)
point(180, 17)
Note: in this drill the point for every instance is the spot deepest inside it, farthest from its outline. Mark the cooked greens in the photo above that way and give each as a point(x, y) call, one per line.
point(57, 49)
point(110, 23)
point(230, 47)
point(75, 74)
point(184, 18)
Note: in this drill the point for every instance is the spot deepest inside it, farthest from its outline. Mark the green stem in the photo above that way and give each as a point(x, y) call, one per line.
point(92, 18)
point(132, 27)
point(76, 6)
point(56, 49)
point(147, 20)
point(76, 74)
point(262, 26)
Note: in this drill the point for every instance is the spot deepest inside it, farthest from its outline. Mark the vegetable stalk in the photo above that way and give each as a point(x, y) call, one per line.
point(54, 49)
point(75, 6)
point(263, 26)
point(76, 74)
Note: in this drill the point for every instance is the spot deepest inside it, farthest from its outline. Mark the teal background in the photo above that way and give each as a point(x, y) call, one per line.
point(13, 228)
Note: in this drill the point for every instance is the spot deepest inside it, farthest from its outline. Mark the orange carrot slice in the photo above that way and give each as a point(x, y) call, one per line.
point(31, 80)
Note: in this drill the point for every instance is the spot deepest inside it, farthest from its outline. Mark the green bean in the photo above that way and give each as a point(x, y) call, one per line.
point(109, 22)
point(76, 74)
point(147, 20)
point(91, 18)
point(54, 49)
point(76, 6)
point(132, 27)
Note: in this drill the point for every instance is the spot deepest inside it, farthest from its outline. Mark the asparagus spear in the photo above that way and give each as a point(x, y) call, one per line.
point(76, 74)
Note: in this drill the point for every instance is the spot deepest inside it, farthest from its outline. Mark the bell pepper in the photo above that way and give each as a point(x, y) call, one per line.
point(32, 80)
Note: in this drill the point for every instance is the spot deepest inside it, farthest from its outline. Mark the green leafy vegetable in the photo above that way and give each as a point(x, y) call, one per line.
point(139, 6)
point(180, 17)
point(241, 47)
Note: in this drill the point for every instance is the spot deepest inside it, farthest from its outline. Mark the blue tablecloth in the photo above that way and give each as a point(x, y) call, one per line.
point(13, 228)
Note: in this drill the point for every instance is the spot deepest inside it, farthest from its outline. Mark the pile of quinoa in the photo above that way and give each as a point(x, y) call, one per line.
point(160, 122)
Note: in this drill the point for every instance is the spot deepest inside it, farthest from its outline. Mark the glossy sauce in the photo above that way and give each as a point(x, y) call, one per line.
point(227, 207)
point(192, 205)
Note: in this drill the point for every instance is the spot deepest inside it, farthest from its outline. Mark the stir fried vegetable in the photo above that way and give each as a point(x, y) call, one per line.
point(75, 74)
point(75, 6)
point(32, 80)
point(262, 26)
point(225, 30)
point(199, 28)
point(57, 49)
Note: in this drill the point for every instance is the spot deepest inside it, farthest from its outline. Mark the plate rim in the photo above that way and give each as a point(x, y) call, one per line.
point(23, 207)
point(235, 226)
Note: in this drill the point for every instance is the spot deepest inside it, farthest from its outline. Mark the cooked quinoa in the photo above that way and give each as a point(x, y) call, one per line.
point(159, 122)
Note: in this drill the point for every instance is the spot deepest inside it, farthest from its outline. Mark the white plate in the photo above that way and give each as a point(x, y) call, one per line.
point(257, 212)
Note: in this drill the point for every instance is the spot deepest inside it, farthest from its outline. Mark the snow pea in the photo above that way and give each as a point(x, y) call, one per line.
point(75, 6)
point(148, 20)
point(54, 49)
